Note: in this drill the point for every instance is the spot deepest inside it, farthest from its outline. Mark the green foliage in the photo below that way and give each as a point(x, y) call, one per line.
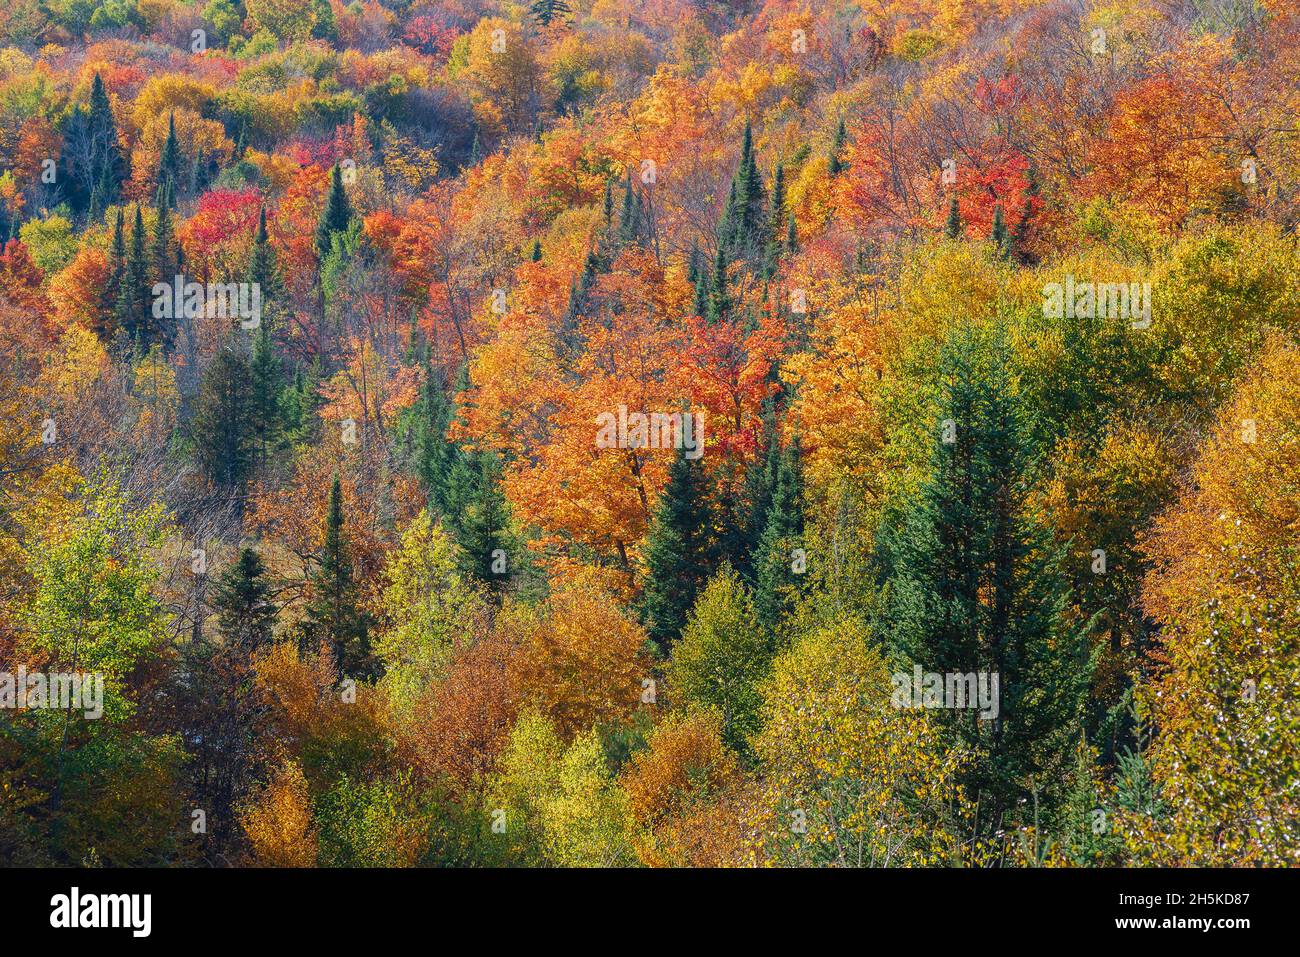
point(975, 585)
point(245, 606)
point(546, 11)
point(222, 427)
point(335, 618)
point(429, 606)
point(558, 805)
point(679, 553)
point(722, 657)
point(50, 241)
point(336, 216)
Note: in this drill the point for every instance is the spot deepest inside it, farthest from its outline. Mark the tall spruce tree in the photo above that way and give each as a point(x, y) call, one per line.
point(245, 607)
point(777, 221)
point(92, 135)
point(952, 228)
point(337, 214)
point(718, 308)
point(222, 427)
point(478, 517)
point(134, 312)
point(680, 551)
point(169, 164)
point(263, 264)
point(999, 233)
point(116, 270)
point(777, 578)
point(974, 586)
point(334, 614)
point(435, 454)
point(629, 220)
point(164, 249)
point(760, 481)
point(165, 257)
point(835, 164)
point(266, 384)
point(748, 213)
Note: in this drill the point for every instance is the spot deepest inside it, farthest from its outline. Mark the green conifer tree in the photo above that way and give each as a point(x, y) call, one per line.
point(952, 229)
point(680, 553)
point(245, 606)
point(835, 163)
point(222, 427)
point(169, 164)
point(336, 216)
point(975, 586)
point(334, 614)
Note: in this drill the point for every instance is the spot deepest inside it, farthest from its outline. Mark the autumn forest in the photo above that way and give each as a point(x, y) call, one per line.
point(649, 433)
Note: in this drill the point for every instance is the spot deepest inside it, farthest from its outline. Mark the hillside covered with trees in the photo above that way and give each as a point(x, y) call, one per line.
point(597, 432)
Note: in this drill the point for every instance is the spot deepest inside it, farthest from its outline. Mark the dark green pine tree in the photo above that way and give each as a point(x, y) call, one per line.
point(263, 264)
point(169, 165)
point(609, 204)
point(334, 616)
point(164, 249)
point(778, 196)
point(222, 427)
point(719, 304)
point(952, 228)
point(165, 266)
point(999, 234)
point(435, 454)
point(299, 404)
point(336, 216)
point(325, 27)
point(536, 255)
point(698, 276)
point(266, 379)
point(223, 714)
point(778, 569)
point(116, 273)
point(835, 164)
point(134, 311)
point(748, 214)
point(778, 217)
point(1016, 245)
point(791, 237)
point(477, 514)
point(107, 166)
point(974, 585)
point(761, 480)
point(571, 337)
point(680, 551)
point(244, 603)
point(700, 305)
point(545, 11)
point(629, 219)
